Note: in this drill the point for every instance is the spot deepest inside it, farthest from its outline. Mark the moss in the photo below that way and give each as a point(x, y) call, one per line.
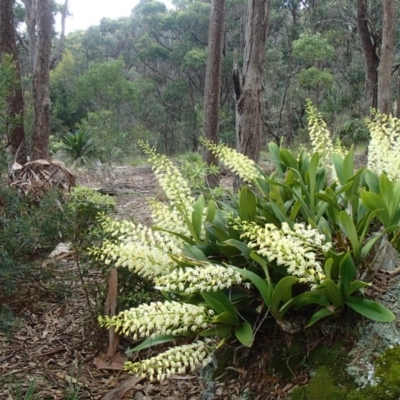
point(332, 382)
point(387, 368)
point(324, 387)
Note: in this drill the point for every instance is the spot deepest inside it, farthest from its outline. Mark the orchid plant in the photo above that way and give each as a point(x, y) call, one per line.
point(293, 240)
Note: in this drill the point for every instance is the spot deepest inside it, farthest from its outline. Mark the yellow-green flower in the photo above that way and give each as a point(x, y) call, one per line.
point(176, 360)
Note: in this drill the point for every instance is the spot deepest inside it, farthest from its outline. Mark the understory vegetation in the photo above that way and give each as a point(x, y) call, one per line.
point(297, 242)
point(292, 248)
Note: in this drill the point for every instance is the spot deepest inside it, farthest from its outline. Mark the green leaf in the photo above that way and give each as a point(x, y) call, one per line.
point(194, 252)
point(337, 162)
point(372, 180)
point(280, 291)
point(369, 245)
point(197, 216)
point(225, 318)
point(387, 192)
point(333, 293)
point(155, 341)
point(370, 309)
point(211, 209)
point(263, 287)
point(245, 334)
point(374, 202)
point(186, 239)
point(327, 199)
point(287, 157)
point(247, 204)
point(323, 313)
point(328, 267)
point(220, 303)
point(220, 331)
point(347, 271)
point(295, 210)
point(316, 296)
point(356, 286)
point(242, 247)
point(274, 150)
point(350, 231)
point(263, 264)
point(348, 165)
point(313, 176)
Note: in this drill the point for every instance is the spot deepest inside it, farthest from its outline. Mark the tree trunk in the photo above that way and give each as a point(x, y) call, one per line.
point(31, 21)
point(398, 95)
point(212, 87)
point(369, 51)
point(387, 56)
point(55, 59)
point(15, 101)
point(248, 93)
point(41, 98)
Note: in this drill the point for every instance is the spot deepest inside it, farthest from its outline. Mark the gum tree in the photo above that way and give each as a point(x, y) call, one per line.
point(212, 88)
point(249, 89)
point(14, 100)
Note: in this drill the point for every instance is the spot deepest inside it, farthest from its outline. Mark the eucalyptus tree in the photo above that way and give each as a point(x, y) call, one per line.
point(387, 56)
point(14, 102)
point(41, 72)
point(213, 82)
point(250, 86)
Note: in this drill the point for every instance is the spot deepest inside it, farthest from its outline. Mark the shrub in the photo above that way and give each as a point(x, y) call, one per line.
point(30, 229)
point(79, 147)
point(296, 241)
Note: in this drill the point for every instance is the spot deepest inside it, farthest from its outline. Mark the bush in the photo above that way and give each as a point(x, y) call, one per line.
point(30, 229)
point(293, 242)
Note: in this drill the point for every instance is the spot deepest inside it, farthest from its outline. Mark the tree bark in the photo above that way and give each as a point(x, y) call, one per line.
point(31, 8)
point(369, 52)
point(41, 97)
point(387, 56)
point(55, 59)
point(248, 96)
point(15, 101)
point(213, 82)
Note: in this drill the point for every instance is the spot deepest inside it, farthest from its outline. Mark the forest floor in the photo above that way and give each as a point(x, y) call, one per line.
point(56, 340)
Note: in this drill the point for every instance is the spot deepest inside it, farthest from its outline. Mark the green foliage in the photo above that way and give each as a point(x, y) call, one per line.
point(30, 230)
point(312, 48)
point(8, 82)
point(353, 131)
point(83, 207)
point(79, 147)
point(194, 170)
point(291, 243)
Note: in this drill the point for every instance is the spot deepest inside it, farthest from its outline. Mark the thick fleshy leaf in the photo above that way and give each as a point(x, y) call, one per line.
point(370, 309)
point(333, 293)
point(245, 334)
point(225, 318)
point(323, 313)
point(356, 286)
point(280, 291)
point(155, 341)
point(347, 272)
point(247, 204)
point(220, 303)
point(197, 216)
point(221, 331)
point(263, 287)
point(350, 231)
